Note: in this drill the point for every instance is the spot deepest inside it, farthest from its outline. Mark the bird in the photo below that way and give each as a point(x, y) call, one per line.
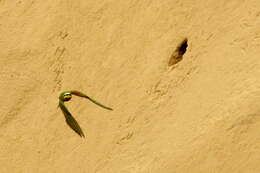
point(66, 96)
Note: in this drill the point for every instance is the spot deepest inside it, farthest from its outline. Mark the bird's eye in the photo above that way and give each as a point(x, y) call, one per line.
point(67, 96)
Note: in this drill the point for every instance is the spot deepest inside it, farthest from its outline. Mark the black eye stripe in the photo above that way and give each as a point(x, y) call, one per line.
point(67, 94)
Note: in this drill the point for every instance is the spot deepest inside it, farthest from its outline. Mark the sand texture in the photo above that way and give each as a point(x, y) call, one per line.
point(182, 76)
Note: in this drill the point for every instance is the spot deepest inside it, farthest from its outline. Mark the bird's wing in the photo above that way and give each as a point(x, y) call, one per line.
point(70, 120)
point(80, 94)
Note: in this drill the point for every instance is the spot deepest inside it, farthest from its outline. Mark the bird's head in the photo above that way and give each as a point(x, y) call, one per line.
point(65, 96)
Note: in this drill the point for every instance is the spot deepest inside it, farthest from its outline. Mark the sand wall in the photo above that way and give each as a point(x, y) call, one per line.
point(198, 114)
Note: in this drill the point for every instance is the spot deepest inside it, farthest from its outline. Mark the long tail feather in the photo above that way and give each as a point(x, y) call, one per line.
point(77, 93)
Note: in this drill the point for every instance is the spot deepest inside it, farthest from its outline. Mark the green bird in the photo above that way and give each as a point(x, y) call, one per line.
point(66, 96)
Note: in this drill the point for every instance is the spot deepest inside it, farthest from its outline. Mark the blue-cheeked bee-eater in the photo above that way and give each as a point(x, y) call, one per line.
point(66, 96)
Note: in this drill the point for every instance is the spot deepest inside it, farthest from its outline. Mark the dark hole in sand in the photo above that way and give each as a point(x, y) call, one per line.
point(177, 55)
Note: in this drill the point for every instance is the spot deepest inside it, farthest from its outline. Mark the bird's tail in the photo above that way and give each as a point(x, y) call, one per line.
point(99, 104)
